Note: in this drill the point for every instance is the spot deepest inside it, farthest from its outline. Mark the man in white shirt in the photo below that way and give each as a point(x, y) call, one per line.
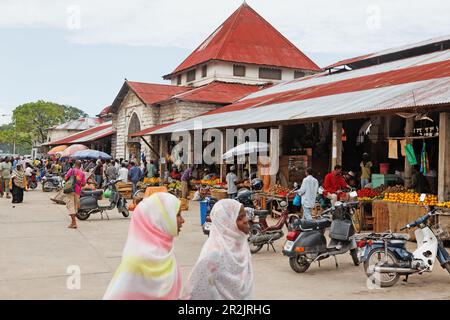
point(308, 192)
point(123, 173)
point(231, 183)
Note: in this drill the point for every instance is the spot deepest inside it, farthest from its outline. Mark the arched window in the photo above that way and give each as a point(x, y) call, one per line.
point(133, 127)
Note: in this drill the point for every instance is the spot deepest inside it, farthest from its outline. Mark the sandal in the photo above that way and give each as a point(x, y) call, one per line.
point(72, 226)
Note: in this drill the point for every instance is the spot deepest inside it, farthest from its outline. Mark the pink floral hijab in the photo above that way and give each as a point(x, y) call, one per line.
point(224, 268)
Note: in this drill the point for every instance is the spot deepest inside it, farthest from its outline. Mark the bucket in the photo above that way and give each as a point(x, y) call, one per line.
point(384, 168)
point(203, 211)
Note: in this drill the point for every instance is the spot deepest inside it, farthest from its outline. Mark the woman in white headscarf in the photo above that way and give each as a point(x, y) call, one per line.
point(224, 268)
point(149, 270)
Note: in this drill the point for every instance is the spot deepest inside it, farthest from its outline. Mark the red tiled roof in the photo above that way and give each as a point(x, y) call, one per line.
point(247, 37)
point(151, 93)
point(390, 78)
point(105, 111)
point(91, 134)
point(219, 92)
point(150, 130)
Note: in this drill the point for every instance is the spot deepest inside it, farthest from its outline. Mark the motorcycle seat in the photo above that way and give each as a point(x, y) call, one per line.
point(314, 224)
point(94, 193)
point(261, 213)
point(400, 236)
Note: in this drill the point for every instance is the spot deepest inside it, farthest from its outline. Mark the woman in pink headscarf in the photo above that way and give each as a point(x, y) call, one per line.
point(149, 270)
point(224, 268)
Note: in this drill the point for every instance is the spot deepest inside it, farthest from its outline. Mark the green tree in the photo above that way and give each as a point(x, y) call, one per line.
point(32, 120)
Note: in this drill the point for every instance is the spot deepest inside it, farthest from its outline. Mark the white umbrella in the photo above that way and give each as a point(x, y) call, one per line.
point(246, 148)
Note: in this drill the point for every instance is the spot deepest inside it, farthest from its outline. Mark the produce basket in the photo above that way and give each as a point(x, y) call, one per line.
point(219, 193)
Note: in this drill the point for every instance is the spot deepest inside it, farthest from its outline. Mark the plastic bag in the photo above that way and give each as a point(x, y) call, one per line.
point(107, 193)
point(297, 201)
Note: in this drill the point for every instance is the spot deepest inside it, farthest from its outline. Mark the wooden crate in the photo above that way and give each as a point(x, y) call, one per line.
point(401, 214)
point(444, 222)
point(184, 204)
point(380, 212)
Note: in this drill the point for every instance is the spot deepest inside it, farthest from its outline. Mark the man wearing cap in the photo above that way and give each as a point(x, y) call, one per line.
point(231, 183)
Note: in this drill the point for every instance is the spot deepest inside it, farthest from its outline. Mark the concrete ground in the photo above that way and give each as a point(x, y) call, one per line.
point(37, 248)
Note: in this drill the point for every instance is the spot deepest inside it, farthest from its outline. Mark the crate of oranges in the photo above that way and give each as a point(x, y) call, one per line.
point(410, 198)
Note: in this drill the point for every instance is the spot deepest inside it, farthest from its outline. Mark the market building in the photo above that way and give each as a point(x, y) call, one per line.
point(394, 105)
point(242, 56)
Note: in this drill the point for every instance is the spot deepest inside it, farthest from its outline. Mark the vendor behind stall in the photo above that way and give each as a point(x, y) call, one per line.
point(185, 177)
point(333, 185)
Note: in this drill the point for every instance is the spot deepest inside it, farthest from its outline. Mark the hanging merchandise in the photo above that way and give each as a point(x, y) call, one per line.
point(402, 147)
point(424, 163)
point(393, 149)
point(410, 154)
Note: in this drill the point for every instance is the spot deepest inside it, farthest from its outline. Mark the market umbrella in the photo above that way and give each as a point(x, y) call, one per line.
point(72, 149)
point(246, 148)
point(91, 154)
point(56, 150)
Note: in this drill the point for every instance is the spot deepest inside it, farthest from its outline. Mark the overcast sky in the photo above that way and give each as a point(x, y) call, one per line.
point(78, 52)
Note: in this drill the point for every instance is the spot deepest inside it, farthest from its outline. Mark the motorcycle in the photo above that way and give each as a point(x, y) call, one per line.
point(386, 258)
point(89, 202)
point(51, 183)
point(261, 233)
point(306, 244)
point(32, 181)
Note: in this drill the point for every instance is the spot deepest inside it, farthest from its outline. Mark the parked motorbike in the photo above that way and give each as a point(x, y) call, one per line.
point(89, 202)
point(52, 183)
point(386, 258)
point(261, 233)
point(306, 244)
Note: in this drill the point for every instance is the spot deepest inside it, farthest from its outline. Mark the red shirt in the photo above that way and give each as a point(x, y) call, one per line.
point(333, 183)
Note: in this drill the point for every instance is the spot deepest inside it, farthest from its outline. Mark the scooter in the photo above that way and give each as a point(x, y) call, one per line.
point(306, 244)
point(261, 233)
point(386, 258)
point(89, 202)
point(51, 183)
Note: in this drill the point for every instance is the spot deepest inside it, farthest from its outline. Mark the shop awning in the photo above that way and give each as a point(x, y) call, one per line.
point(89, 135)
point(421, 81)
point(148, 131)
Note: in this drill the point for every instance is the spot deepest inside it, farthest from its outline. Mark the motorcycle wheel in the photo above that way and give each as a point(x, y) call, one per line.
point(385, 280)
point(124, 211)
point(354, 254)
point(291, 221)
point(299, 264)
point(83, 215)
point(253, 247)
point(47, 187)
point(447, 266)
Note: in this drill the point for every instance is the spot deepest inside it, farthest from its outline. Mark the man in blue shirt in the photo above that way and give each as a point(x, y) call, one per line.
point(135, 175)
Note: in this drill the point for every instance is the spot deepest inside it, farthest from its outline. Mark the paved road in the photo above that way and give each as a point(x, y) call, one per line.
point(36, 249)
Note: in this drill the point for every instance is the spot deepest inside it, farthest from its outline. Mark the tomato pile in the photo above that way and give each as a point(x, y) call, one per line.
point(367, 193)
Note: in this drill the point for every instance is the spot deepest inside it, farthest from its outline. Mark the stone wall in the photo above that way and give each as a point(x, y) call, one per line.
point(150, 116)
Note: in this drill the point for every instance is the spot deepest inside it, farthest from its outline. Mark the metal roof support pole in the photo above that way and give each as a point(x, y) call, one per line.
point(150, 146)
point(409, 127)
point(223, 149)
point(336, 148)
point(274, 154)
point(444, 157)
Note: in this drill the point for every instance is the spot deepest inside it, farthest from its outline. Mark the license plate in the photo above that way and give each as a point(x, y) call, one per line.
point(288, 245)
point(207, 226)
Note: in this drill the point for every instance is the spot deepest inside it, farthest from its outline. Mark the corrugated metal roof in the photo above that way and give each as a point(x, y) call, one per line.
point(247, 37)
point(390, 51)
point(421, 93)
point(387, 86)
point(79, 124)
point(150, 130)
point(151, 93)
point(95, 133)
point(218, 92)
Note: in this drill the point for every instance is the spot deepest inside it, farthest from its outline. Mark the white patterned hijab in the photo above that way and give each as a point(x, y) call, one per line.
point(224, 268)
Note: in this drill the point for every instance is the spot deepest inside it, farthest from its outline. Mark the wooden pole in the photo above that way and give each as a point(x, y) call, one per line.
point(409, 127)
point(444, 157)
point(336, 150)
